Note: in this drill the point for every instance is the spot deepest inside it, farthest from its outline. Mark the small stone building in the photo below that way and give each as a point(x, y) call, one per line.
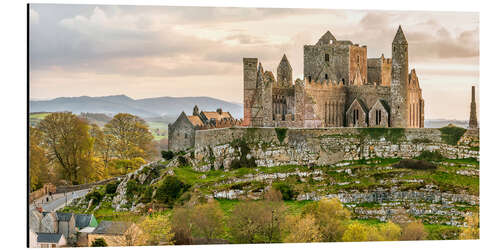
point(181, 133)
point(116, 233)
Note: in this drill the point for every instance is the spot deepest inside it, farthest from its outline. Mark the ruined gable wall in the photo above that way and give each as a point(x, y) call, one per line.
point(357, 61)
point(338, 65)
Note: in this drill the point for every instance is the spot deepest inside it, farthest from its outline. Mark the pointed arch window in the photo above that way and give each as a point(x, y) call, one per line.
point(326, 76)
point(327, 57)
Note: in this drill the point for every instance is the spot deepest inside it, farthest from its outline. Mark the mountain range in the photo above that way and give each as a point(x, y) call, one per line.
point(146, 108)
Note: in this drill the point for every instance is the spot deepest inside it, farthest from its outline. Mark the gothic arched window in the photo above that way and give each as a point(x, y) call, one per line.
point(327, 57)
point(326, 76)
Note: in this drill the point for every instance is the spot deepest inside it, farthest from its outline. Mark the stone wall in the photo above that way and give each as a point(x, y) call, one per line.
point(322, 146)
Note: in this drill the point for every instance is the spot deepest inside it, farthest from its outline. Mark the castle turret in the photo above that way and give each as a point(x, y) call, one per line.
point(473, 116)
point(249, 88)
point(399, 82)
point(284, 73)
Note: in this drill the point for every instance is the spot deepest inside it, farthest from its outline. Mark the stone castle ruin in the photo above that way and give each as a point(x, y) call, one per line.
point(341, 88)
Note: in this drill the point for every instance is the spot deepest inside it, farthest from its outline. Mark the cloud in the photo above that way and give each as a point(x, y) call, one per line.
point(34, 17)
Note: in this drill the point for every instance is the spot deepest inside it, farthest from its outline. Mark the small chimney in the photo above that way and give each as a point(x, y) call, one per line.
point(219, 110)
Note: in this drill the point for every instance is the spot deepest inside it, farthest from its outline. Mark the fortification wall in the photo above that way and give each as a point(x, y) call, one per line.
point(322, 146)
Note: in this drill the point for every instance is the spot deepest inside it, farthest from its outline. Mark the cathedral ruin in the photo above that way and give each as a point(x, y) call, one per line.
point(341, 88)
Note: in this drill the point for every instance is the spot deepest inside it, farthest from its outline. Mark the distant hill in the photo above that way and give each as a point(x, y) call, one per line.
point(146, 108)
point(439, 123)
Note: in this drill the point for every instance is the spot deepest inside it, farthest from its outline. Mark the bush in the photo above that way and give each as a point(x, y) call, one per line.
point(133, 187)
point(452, 134)
point(99, 242)
point(281, 133)
point(285, 190)
point(167, 155)
point(171, 189)
point(111, 187)
point(95, 195)
point(430, 156)
point(146, 197)
point(182, 161)
point(415, 165)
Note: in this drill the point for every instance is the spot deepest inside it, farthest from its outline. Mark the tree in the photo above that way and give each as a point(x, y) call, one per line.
point(356, 232)
point(301, 229)
point(130, 137)
point(390, 231)
point(331, 217)
point(103, 146)
point(99, 242)
point(157, 230)
point(471, 230)
point(38, 162)
point(253, 222)
point(182, 226)
point(69, 144)
point(413, 231)
point(170, 190)
point(208, 220)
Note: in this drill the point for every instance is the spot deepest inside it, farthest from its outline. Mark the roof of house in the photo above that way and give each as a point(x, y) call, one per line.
point(64, 216)
point(215, 115)
point(48, 237)
point(87, 230)
point(195, 120)
point(112, 227)
point(82, 220)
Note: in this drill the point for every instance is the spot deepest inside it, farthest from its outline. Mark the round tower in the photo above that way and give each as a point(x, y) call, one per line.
point(399, 82)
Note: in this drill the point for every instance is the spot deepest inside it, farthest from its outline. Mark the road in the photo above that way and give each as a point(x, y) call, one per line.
point(58, 200)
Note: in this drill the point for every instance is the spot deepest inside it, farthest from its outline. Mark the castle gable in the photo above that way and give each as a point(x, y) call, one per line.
point(327, 38)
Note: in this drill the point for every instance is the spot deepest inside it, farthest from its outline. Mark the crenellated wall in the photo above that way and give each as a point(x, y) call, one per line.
point(321, 146)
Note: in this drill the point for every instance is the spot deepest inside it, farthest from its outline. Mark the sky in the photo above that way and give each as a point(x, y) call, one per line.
point(153, 51)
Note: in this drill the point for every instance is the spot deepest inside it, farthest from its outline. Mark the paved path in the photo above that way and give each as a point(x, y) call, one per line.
point(58, 200)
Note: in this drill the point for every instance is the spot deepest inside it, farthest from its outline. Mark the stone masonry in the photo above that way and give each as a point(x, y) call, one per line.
point(341, 88)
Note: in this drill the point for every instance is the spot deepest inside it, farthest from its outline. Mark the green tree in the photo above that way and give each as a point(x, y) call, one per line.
point(130, 137)
point(331, 217)
point(69, 144)
point(38, 162)
point(157, 230)
point(170, 190)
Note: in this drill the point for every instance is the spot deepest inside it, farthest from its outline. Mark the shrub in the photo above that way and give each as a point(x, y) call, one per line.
point(430, 156)
point(147, 195)
point(167, 155)
point(452, 134)
point(95, 195)
point(281, 133)
point(285, 190)
point(183, 161)
point(170, 190)
point(421, 140)
point(415, 164)
point(111, 187)
point(133, 188)
point(99, 242)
